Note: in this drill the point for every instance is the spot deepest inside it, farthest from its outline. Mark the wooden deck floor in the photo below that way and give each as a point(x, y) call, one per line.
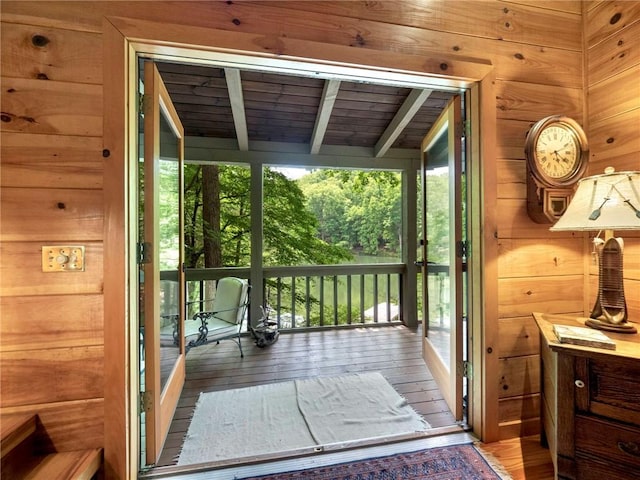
point(395, 351)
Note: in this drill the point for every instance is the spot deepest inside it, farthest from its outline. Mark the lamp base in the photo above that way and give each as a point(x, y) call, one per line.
point(610, 311)
point(624, 327)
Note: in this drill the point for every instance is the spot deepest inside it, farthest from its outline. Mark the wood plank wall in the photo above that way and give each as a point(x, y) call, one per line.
point(612, 49)
point(540, 271)
point(52, 166)
point(52, 337)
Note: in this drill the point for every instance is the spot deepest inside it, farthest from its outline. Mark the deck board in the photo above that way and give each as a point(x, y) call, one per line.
point(395, 351)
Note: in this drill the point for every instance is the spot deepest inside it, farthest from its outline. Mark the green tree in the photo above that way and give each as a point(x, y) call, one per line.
point(438, 218)
point(193, 230)
point(168, 216)
point(357, 208)
point(290, 231)
point(291, 234)
point(329, 203)
point(211, 212)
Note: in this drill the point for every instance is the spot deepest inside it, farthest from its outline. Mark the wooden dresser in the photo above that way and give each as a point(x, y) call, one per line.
point(590, 405)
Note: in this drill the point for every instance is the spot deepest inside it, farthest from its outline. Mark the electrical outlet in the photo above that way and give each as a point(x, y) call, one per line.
point(58, 258)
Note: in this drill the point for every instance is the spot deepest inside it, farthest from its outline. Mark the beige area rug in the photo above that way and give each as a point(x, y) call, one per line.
point(299, 414)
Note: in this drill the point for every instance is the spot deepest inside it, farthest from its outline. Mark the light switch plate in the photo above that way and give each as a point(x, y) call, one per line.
point(63, 258)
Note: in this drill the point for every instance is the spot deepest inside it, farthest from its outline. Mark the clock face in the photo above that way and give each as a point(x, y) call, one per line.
point(557, 152)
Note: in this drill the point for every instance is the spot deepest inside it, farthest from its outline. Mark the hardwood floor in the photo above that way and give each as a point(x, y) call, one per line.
point(524, 458)
point(395, 351)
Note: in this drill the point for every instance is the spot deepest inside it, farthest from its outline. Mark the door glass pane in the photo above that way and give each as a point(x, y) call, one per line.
point(438, 227)
point(419, 251)
point(169, 248)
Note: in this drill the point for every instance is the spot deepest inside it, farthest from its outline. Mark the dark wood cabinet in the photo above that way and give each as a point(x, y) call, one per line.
point(590, 405)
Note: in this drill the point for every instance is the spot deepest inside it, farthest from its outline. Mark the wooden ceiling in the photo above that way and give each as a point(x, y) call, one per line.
point(257, 106)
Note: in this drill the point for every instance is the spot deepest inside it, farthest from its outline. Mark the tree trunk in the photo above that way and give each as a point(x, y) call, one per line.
point(192, 189)
point(211, 226)
point(211, 216)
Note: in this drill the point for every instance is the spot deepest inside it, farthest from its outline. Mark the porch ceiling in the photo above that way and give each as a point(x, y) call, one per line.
point(251, 106)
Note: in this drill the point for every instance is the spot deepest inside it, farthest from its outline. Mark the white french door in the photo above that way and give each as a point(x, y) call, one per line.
point(442, 265)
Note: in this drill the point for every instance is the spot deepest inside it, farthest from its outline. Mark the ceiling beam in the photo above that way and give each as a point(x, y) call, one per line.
point(409, 108)
point(304, 160)
point(205, 150)
point(234, 86)
point(207, 144)
point(329, 95)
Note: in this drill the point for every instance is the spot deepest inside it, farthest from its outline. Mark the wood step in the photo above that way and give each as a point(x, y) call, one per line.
point(15, 429)
point(75, 465)
point(20, 462)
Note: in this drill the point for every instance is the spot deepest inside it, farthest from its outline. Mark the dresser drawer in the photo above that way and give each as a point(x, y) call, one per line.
point(590, 469)
point(611, 388)
point(615, 443)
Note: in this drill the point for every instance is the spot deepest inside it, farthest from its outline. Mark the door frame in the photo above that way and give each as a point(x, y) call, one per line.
point(123, 40)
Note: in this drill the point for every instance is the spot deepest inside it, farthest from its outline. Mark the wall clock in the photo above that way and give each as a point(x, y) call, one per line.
point(557, 153)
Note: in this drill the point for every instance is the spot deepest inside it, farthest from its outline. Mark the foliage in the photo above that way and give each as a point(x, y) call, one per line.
point(311, 220)
point(362, 210)
point(290, 231)
point(438, 218)
point(168, 216)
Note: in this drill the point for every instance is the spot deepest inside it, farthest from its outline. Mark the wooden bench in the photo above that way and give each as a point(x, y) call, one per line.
point(20, 461)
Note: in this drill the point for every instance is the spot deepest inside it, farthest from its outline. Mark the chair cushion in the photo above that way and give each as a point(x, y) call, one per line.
point(220, 329)
point(229, 303)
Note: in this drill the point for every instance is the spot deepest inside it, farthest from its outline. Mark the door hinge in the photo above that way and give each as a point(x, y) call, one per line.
point(467, 371)
point(144, 252)
point(462, 129)
point(146, 401)
point(463, 249)
point(141, 104)
point(466, 128)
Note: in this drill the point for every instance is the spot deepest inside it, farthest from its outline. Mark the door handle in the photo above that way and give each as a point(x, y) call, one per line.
point(419, 263)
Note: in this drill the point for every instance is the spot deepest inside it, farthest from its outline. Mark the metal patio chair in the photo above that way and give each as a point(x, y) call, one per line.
point(224, 320)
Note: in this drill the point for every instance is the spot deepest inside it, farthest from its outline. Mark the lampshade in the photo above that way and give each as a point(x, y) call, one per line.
point(610, 201)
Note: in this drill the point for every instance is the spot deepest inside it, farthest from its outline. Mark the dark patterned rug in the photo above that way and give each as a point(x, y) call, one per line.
point(457, 462)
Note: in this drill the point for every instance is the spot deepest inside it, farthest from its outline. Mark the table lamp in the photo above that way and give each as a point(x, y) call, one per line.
point(606, 202)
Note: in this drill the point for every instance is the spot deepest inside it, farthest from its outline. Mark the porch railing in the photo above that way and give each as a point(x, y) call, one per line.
point(334, 295)
point(321, 296)
point(315, 296)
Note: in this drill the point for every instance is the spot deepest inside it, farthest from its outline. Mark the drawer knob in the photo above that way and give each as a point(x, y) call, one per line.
point(630, 448)
point(579, 383)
